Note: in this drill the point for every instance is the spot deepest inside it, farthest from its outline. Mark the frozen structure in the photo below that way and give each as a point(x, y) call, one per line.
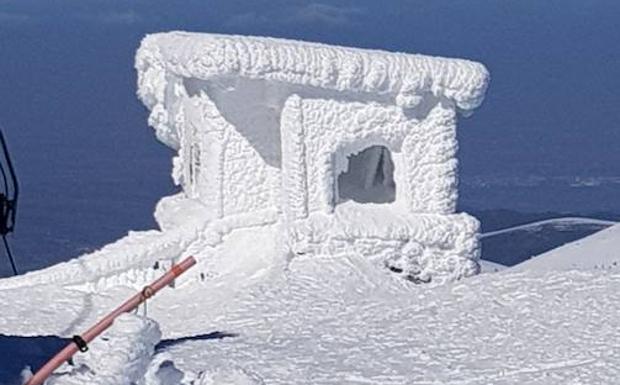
point(347, 150)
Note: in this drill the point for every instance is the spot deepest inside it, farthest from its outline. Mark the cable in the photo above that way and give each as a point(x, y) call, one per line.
point(6, 185)
point(8, 204)
point(6, 159)
point(9, 254)
point(9, 164)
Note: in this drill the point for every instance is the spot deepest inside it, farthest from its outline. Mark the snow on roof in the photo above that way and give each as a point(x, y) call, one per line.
point(405, 77)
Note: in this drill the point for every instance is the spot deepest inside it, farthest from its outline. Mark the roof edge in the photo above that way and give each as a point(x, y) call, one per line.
point(408, 78)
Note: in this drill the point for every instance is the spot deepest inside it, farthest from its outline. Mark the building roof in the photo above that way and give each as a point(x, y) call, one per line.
point(405, 77)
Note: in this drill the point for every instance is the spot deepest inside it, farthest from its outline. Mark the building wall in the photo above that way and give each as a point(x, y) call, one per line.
point(429, 154)
point(250, 184)
point(201, 154)
point(418, 235)
point(220, 166)
point(318, 135)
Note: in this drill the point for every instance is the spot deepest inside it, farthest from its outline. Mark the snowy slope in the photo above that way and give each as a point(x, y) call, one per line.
point(598, 251)
point(516, 244)
point(335, 320)
point(330, 323)
point(341, 319)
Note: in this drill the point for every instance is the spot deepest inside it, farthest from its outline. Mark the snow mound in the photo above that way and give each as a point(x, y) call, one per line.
point(120, 356)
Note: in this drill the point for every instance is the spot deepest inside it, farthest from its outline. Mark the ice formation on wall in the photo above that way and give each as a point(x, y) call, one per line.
point(270, 129)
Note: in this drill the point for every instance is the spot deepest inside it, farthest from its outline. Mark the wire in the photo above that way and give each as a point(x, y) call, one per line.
point(6, 185)
point(9, 254)
point(9, 164)
point(8, 203)
point(4, 148)
point(15, 182)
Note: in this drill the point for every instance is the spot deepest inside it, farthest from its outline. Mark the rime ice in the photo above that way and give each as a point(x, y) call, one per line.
point(350, 150)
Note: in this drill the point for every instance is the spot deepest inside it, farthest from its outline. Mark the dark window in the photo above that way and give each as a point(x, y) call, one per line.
point(369, 177)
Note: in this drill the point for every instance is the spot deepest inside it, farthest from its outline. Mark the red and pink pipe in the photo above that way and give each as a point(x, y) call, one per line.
point(80, 342)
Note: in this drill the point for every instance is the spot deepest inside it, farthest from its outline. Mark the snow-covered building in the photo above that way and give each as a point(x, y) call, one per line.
point(349, 150)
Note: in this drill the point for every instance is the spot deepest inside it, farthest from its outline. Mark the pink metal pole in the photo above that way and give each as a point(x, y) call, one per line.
point(150, 290)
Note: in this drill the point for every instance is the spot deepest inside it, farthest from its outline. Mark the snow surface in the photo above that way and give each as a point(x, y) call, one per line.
point(323, 327)
point(341, 320)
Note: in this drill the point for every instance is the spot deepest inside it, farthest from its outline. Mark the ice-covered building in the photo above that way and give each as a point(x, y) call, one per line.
point(349, 150)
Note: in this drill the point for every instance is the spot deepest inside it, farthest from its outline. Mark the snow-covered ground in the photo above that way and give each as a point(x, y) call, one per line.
point(512, 329)
point(339, 322)
point(322, 320)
